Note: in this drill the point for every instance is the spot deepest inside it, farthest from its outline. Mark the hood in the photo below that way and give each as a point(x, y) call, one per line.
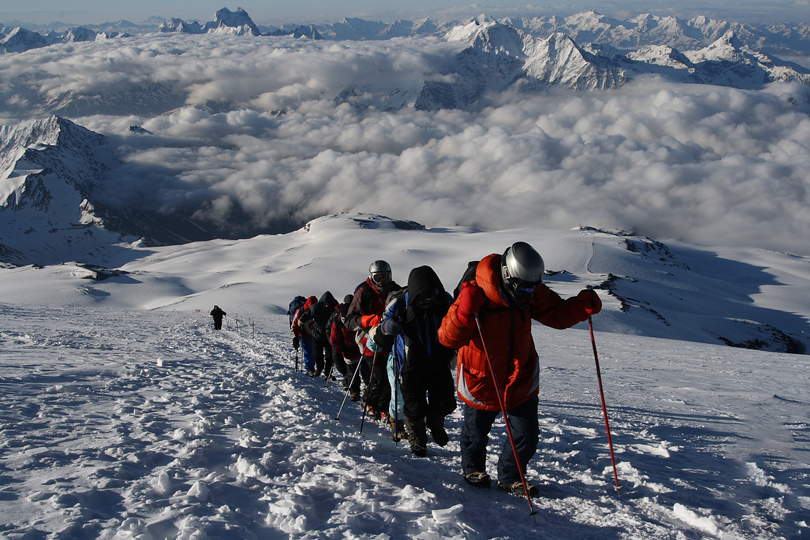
point(488, 277)
point(328, 300)
point(424, 280)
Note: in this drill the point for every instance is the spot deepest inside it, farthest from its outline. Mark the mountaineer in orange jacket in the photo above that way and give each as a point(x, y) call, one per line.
point(506, 294)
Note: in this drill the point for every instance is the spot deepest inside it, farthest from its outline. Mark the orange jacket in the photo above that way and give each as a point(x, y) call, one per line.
point(508, 338)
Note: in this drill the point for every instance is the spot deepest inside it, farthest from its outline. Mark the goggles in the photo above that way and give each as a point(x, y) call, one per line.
point(381, 279)
point(424, 301)
point(523, 288)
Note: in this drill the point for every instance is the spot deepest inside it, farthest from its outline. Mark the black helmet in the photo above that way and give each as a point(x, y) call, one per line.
point(381, 275)
point(522, 271)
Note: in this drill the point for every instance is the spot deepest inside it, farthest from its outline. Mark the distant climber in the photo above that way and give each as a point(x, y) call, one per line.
point(217, 314)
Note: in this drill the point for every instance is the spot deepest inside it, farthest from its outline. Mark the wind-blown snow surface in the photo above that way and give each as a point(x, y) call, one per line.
point(125, 415)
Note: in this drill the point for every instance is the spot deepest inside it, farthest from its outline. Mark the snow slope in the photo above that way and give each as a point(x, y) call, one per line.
point(125, 415)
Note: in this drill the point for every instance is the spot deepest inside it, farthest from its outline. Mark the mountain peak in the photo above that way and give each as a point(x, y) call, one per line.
point(231, 22)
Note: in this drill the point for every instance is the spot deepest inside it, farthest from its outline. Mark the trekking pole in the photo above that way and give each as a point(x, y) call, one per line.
point(502, 405)
point(368, 388)
point(395, 427)
point(604, 408)
point(329, 373)
point(349, 389)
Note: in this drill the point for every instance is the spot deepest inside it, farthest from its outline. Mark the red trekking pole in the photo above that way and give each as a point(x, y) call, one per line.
point(604, 409)
point(502, 405)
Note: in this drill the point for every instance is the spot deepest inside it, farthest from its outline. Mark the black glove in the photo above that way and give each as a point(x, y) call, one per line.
point(296, 343)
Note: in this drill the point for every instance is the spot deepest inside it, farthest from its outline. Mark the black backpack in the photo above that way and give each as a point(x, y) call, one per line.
point(469, 275)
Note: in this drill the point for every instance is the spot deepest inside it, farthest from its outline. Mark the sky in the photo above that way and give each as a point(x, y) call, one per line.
point(126, 416)
point(277, 13)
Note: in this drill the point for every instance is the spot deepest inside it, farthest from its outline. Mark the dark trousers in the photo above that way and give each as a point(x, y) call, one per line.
point(337, 363)
point(378, 391)
point(217, 323)
point(428, 395)
point(475, 436)
point(350, 381)
point(322, 352)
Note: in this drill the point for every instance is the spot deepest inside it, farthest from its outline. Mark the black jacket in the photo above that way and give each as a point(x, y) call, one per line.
point(317, 316)
point(418, 350)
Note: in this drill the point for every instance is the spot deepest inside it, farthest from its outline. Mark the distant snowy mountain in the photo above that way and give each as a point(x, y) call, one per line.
point(501, 56)
point(180, 26)
point(20, 40)
point(726, 62)
point(236, 23)
point(590, 27)
point(51, 174)
point(48, 169)
point(583, 52)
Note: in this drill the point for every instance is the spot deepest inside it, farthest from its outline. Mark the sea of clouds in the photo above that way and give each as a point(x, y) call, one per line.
point(701, 163)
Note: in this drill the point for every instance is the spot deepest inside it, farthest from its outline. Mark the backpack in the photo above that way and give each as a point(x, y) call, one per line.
point(295, 305)
point(469, 275)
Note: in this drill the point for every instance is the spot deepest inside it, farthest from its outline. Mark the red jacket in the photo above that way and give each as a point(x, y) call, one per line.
point(508, 338)
point(342, 340)
point(297, 328)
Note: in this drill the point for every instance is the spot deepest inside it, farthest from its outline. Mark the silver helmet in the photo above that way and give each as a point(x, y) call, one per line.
point(522, 271)
point(380, 274)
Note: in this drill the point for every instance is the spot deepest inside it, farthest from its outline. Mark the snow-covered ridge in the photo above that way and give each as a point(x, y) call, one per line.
point(739, 297)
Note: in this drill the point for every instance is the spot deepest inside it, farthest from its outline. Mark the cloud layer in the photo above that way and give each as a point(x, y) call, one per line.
point(698, 163)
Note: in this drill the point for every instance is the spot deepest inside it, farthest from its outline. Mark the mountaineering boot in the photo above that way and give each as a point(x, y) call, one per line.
point(436, 426)
point(374, 415)
point(478, 479)
point(418, 448)
point(311, 373)
point(417, 435)
point(397, 428)
point(516, 488)
point(355, 396)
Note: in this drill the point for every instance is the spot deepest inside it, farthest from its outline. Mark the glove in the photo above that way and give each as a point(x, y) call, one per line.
point(470, 300)
point(296, 343)
point(379, 338)
point(392, 327)
point(372, 333)
point(590, 301)
point(372, 345)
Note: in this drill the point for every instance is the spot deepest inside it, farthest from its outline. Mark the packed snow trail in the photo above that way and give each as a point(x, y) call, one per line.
point(150, 424)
